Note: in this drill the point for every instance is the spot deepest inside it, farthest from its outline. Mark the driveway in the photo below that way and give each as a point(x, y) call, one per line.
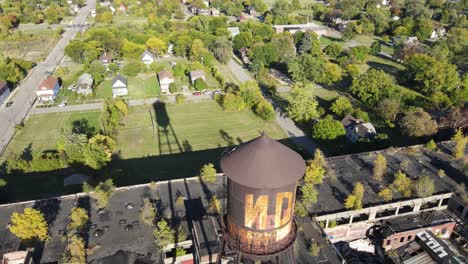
point(294, 133)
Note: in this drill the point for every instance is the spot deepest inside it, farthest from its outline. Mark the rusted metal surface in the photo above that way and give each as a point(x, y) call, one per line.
point(260, 222)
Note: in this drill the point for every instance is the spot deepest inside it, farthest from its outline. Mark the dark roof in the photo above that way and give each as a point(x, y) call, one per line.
point(263, 163)
point(350, 120)
point(119, 78)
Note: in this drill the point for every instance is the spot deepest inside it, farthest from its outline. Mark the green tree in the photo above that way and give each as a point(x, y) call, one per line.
point(172, 88)
point(302, 104)
point(310, 43)
point(327, 129)
point(315, 249)
point(430, 75)
point(359, 54)
point(380, 166)
point(431, 145)
point(147, 212)
point(264, 110)
point(375, 47)
point(424, 186)
point(341, 106)
point(402, 184)
point(388, 108)
point(97, 70)
point(283, 43)
point(314, 173)
point(197, 49)
point(30, 224)
point(373, 86)
point(208, 173)
point(417, 123)
point(121, 106)
point(78, 218)
point(222, 49)
point(460, 144)
point(75, 251)
point(163, 234)
point(243, 40)
point(180, 99)
point(333, 50)
point(332, 73)
point(132, 68)
point(309, 194)
point(156, 45)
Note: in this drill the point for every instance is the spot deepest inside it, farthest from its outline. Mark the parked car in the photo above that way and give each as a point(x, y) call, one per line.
point(217, 92)
point(63, 104)
point(208, 92)
point(196, 93)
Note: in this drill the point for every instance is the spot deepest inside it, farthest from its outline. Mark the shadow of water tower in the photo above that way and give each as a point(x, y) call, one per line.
point(165, 131)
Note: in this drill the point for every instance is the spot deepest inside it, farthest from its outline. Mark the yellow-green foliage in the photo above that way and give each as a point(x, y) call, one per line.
point(29, 225)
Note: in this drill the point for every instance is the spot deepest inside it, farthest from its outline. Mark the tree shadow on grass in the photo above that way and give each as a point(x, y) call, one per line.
point(384, 67)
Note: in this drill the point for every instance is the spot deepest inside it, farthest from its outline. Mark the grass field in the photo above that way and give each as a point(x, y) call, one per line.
point(140, 86)
point(43, 131)
point(173, 129)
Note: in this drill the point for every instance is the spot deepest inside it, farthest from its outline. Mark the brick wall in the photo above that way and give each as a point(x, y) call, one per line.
point(399, 239)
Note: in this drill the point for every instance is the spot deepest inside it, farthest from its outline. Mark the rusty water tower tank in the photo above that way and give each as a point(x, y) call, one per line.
point(262, 176)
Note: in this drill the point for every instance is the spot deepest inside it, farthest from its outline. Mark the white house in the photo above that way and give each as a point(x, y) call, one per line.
point(356, 128)
point(48, 89)
point(197, 74)
point(119, 86)
point(147, 58)
point(165, 79)
point(84, 85)
point(4, 91)
point(234, 31)
point(412, 41)
point(437, 33)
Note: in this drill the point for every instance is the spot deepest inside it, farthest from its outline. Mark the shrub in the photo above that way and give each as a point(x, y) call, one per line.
point(180, 200)
point(380, 166)
point(386, 194)
point(354, 200)
point(180, 252)
point(180, 99)
point(79, 217)
point(332, 224)
point(309, 194)
point(208, 173)
point(328, 128)
point(314, 250)
point(300, 210)
point(163, 234)
point(441, 173)
point(172, 88)
point(265, 110)
point(31, 224)
point(402, 184)
point(102, 193)
point(215, 205)
point(121, 106)
point(460, 144)
point(200, 84)
point(431, 145)
point(314, 173)
point(424, 186)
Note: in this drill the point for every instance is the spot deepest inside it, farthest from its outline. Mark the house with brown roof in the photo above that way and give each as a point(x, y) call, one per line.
point(357, 129)
point(105, 59)
point(165, 79)
point(197, 74)
point(4, 91)
point(48, 89)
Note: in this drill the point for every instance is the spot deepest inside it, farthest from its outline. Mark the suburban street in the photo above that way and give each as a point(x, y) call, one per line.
point(294, 133)
point(25, 95)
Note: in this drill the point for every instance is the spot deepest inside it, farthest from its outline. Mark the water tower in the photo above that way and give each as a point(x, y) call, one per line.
point(261, 177)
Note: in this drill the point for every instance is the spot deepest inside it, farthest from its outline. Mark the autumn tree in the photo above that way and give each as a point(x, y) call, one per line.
point(121, 106)
point(156, 45)
point(78, 218)
point(314, 173)
point(75, 251)
point(31, 224)
point(388, 108)
point(163, 234)
point(424, 186)
point(215, 205)
point(303, 105)
point(354, 200)
point(147, 212)
point(309, 194)
point(402, 184)
point(102, 193)
point(417, 122)
point(386, 194)
point(208, 173)
point(380, 166)
point(460, 144)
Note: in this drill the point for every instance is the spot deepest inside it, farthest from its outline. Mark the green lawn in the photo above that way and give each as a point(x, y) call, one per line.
point(141, 87)
point(42, 131)
point(191, 126)
point(104, 90)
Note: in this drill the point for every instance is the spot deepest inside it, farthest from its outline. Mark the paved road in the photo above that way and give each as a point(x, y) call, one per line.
point(25, 95)
point(293, 132)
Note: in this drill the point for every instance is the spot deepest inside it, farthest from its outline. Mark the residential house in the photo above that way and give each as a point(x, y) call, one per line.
point(4, 91)
point(147, 58)
point(437, 33)
point(165, 79)
point(197, 74)
point(105, 59)
point(84, 85)
point(214, 12)
point(251, 11)
point(122, 9)
point(119, 86)
point(48, 89)
point(234, 31)
point(357, 129)
point(317, 29)
point(412, 41)
point(194, 10)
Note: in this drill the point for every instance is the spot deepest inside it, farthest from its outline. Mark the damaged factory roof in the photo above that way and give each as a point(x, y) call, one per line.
point(345, 171)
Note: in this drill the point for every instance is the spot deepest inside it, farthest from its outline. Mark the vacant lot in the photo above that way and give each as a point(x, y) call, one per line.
point(141, 86)
point(43, 131)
